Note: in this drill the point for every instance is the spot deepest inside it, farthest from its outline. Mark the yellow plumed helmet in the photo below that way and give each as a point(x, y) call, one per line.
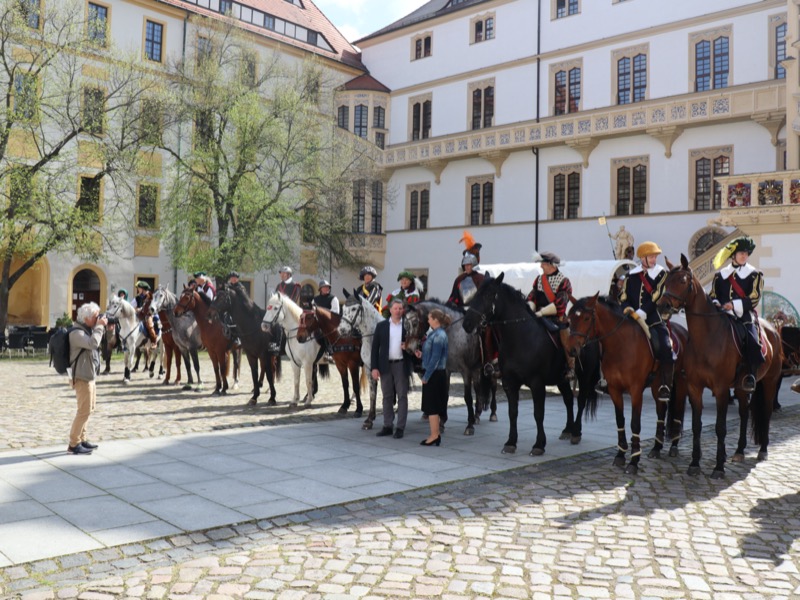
point(647, 248)
point(743, 243)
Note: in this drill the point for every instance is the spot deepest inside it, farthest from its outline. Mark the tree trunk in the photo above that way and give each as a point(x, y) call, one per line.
point(4, 293)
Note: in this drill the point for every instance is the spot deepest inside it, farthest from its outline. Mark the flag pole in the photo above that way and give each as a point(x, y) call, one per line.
point(602, 221)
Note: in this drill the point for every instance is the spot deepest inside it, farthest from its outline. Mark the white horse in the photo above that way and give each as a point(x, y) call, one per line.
point(282, 311)
point(129, 333)
point(359, 313)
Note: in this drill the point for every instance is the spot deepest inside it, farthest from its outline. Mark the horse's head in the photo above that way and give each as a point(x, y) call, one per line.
point(582, 320)
point(416, 323)
point(679, 288)
point(482, 307)
point(273, 312)
point(308, 326)
point(352, 314)
point(186, 303)
point(114, 306)
point(222, 303)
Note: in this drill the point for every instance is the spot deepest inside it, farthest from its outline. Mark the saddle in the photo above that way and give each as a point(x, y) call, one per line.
point(739, 333)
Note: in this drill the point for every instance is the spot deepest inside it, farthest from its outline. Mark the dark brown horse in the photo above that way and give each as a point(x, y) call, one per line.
point(212, 333)
point(627, 363)
point(712, 361)
point(171, 349)
point(346, 352)
point(109, 343)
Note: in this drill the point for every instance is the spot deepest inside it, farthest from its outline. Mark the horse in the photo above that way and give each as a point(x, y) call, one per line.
point(185, 333)
point(282, 311)
point(152, 344)
point(627, 362)
point(109, 343)
point(129, 332)
point(463, 355)
point(346, 352)
point(247, 315)
point(212, 333)
point(358, 314)
point(712, 361)
point(530, 356)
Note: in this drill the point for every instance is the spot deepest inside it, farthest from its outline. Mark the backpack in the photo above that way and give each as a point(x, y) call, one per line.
point(59, 350)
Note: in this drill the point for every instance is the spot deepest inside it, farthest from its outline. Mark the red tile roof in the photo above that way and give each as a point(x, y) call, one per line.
point(366, 82)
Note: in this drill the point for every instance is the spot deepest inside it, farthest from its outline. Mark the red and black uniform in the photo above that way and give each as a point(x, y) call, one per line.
point(741, 286)
point(551, 289)
point(289, 289)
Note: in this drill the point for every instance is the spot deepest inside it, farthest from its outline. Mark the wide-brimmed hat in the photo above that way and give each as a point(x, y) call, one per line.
point(550, 257)
point(143, 284)
point(741, 244)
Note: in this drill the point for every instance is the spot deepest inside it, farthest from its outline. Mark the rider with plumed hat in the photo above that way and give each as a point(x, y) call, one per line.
point(469, 280)
point(370, 289)
point(549, 298)
point(736, 289)
point(143, 292)
point(409, 290)
point(287, 286)
point(639, 296)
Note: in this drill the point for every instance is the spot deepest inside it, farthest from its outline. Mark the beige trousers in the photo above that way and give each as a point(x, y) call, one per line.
point(86, 393)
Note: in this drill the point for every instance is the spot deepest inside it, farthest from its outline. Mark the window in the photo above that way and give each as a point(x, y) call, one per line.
point(711, 63)
point(379, 117)
point(380, 139)
point(89, 197)
point(631, 79)
point(482, 28)
point(94, 106)
point(629, 180)
point(377, 207)
point(98, 24)
point(565, 191)
point(150, 123)
point(147, 213)
point(153, 36)
point(482, 107)
point(204, 128)
point(26, 97)
point(419, 200)
point(249, 76)
point(421, 46)
point(225, 7)
point(421, 115)
point(567, 91)
point(706, 166)
point(481, 200)
point(30, 10)
point(203, 50)
point(359, 205)
point(360, 120)
point(565, 8)
point(780, 50)
point(343, 117)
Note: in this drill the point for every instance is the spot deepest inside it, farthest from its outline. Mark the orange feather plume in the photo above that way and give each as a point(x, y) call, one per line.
point(468, 240)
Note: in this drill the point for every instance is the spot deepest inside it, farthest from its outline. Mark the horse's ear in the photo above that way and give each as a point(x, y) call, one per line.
point(684, 261)
point(572, 299)
point(346, 293)
point(670, 266)
point(499, 278)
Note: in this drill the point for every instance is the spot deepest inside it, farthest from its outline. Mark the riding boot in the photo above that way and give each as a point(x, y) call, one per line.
point(564, 335)
point(665, 389)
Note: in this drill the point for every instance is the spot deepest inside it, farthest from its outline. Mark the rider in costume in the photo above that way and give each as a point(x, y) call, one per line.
point(549, 298)
point(204, 287)
point(736, 289)
point(639, 295)
point(371, 289)
point(409, 290)
point(325, 299)
point(287, 286)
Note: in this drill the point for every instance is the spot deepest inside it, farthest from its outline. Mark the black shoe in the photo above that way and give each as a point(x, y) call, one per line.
point(398, 434)
point(748, 383)
point(88, 445)
point(79, 449)
point(384, 432)
point(435, 442)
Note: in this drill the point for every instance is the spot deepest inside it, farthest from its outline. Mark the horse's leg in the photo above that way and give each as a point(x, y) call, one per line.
point(569, 403)
point(311, 385)
point(345, 377)
point(253, 362)
point(126, 377)
point(619, 414)
point(538, 392)
point(661, 421)
point(493, 389)
point(373, 396)
point(512, 394)
point(676, 413)
point(744, 416)
point(761, 406)
point(355, 375)
point(225, 368)
point(721, 394)
point(696, 402)
point(637, 398)
point(472, 419)
point(271, 368)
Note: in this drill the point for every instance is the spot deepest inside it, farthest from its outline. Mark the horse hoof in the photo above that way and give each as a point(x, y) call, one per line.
point(493, 418)
point(272, 402)
point(509, 449)
point(470, 430)
point(357, 414)
point(761, 456)
point(619, 461)
point(199, 388)
point(737, 458)
point(477, 419)
point(565, 435)
point(215, 393)
point(126, 381)
point(575, 440)
point(236, 386)
point(367, 426)
point(536, 451)
point(718, 474)
point(632, 469)
point(152, 374)
point(654, 454)
point(252, 402)
point(673, 451)
point(342, 411)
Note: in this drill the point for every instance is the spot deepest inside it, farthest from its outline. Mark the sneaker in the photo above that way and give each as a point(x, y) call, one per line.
point(79, 449)
point(748, 383)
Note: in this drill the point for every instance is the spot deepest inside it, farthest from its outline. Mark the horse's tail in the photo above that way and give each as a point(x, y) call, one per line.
point(760, 413)
point(324, 370)
point(364, 380)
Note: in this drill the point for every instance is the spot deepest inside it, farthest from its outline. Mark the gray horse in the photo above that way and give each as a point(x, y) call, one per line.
point(463, 355)
point(185, 332)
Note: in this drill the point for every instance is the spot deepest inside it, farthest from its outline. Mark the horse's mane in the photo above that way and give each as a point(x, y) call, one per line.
point(293, 308)
point(610, 303)
point(446, 305)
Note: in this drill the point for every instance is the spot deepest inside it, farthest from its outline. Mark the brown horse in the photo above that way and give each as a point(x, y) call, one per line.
point(346, 352)
point(712, 361)
point(212, 333)
point(627, 363)
point(109, 343)
point(171, 349)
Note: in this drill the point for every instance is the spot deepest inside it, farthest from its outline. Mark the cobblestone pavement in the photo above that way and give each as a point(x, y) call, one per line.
point(568, 529)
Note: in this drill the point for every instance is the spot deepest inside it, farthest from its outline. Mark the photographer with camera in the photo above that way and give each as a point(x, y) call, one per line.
point(84, 364)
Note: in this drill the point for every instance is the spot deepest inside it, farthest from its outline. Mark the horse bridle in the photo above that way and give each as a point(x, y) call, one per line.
point(359, 311)
point(587, 339)
point(278, 313)
point(682, 300)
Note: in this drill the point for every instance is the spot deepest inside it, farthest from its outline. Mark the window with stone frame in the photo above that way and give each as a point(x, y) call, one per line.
point(94, 110)
point(481, 95)
point(565, 92)
point(422, 46)
point(154, 41)
point(97, 24)
point(26, 97)
point(343, 117)
point(630, 73)
point(565, 192)
point(629, 185)
point(704, 166)
point(482, 28)
point(90, 197)
point(711, 59)
point(564, 8)
point(777, 45)
point(418, 198)
point(376, 215)
point(420, 117)
point(31, 12)
point(361, 120)
point(147, 206)
point(480, 200)
point(359, 206)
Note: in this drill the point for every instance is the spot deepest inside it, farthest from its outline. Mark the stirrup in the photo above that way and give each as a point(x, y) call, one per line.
point(748, 383)
point(570, 374)
point(664, 392)
point(488, 369)
point(601, 386)
point(796, 387)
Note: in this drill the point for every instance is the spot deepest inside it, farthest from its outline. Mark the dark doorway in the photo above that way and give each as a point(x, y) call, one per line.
point(85, 288)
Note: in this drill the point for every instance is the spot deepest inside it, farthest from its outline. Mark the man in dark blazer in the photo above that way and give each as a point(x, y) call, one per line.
point(391, 364)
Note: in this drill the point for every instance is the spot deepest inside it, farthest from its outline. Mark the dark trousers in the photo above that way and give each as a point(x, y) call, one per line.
point(752, 346)
point(662, 348)
point(395, 382)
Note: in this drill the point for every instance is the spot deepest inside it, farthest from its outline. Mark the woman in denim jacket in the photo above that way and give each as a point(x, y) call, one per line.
point(434, 380)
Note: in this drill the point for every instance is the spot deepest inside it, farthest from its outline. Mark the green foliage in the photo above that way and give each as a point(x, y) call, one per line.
point(64, 321)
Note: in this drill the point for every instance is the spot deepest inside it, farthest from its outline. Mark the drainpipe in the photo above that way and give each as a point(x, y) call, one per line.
point(183, 60)
point(535, 150)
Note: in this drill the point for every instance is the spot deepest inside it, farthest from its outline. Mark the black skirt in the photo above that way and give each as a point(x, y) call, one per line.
point(434, 394)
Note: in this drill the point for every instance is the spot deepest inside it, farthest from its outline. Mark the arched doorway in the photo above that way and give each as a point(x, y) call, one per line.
point(88, 285)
